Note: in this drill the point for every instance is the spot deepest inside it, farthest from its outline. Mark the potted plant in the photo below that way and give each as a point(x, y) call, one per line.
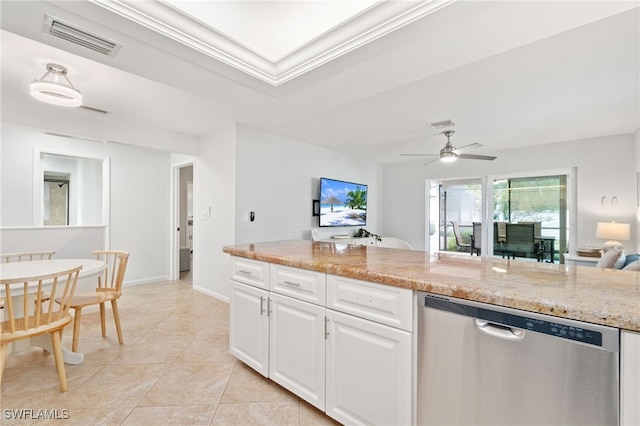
point(363, 233)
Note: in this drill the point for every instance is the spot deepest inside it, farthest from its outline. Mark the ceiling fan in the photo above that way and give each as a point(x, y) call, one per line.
point(450, 153)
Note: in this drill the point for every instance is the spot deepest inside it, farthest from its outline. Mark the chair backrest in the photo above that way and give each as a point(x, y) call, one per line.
point(26, 256)
point(392, 242)
point(537, 227)
point(477, 235)
point(456, 233)
point(27, 313)
point(113, 275)
point(520, 233)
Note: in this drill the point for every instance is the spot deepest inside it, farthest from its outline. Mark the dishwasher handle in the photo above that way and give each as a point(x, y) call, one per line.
point(498, 330)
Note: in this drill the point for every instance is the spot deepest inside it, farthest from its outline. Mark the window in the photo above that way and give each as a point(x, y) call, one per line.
point(70, 190)
point(539, 200)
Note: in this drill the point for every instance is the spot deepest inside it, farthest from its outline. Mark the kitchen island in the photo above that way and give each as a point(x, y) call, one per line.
point(600, 296)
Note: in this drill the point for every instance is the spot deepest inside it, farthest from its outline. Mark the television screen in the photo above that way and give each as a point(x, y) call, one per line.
point(342, 203)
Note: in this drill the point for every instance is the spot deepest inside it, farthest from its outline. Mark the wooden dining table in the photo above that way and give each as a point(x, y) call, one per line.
point(24, 270)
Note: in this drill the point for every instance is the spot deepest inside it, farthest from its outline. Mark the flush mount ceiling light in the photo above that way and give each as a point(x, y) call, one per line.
point(55, 88)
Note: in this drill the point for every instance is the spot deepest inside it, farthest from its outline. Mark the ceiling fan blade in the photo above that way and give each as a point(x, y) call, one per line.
point(477, 157)
point(468, 147)
point(420, 155)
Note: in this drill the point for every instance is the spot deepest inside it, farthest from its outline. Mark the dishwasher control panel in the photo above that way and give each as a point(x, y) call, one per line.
point(590, 334)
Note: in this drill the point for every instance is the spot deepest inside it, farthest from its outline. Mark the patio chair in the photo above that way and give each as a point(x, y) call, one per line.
point(456, 233)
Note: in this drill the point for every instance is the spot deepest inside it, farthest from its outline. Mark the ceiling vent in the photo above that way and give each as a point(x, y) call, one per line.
point(93, 109)
point(74, 34)
point(442, 124)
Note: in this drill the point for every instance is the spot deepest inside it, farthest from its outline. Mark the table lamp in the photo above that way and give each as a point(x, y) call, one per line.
point(613, 232)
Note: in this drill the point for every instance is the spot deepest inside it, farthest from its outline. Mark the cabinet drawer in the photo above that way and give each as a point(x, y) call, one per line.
point(377, 302)
point(249, 271)
point(299, 283)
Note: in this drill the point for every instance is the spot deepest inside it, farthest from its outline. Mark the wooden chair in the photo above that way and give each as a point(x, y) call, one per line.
point(24, 256)
point(456, 233)
point(23, 320)
point(109, 290)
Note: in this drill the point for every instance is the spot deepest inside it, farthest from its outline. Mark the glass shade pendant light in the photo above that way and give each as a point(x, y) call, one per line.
point(55, 88)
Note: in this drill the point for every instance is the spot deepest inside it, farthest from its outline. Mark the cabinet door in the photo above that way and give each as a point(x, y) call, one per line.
point(368, 372)
point(297, 348)
point(249, 326)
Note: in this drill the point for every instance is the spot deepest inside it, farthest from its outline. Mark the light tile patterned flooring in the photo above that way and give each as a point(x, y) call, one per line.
point(174, 368)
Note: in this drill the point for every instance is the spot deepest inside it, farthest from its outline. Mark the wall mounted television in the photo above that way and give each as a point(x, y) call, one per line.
point(342, 203)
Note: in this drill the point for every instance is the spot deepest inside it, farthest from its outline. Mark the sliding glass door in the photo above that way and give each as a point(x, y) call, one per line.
point(537, 204)
point(540, 200)
point(459, 204)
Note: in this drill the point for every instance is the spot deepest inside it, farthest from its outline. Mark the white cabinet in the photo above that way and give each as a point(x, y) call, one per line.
point(297, 348)
point(369, 352)
point(343, 345)
point(368, 372)
point(249, 326)
point(377, 302)
point(309, 286)
point(629, 378)
point(280, 337)
point(363, 241)
point(249, 271)
point(571, 259)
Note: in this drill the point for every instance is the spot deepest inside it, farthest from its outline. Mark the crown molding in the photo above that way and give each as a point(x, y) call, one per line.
point(373, 23)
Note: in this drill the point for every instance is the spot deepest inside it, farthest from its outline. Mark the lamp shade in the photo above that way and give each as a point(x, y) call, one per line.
point(613, 232)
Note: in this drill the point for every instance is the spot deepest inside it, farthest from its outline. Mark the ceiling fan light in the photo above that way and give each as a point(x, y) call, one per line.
point(448, 158)
point(52, 89)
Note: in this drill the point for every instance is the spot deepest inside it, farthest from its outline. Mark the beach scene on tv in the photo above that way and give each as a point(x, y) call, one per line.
point(342, 203)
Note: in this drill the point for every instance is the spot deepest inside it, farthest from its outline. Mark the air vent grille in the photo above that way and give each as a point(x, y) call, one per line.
point(98, 110)
point(74, 34)
point(442, 124)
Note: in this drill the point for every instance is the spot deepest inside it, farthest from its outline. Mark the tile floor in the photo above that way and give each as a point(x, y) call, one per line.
point(174, 368)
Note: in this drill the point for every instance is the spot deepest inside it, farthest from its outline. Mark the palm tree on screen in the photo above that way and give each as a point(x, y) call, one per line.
point(357, 199)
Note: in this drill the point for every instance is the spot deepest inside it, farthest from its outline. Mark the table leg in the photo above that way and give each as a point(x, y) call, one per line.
point(70, 357)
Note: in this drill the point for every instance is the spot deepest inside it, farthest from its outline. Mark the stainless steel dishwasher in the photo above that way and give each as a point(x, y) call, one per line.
point(480, 364)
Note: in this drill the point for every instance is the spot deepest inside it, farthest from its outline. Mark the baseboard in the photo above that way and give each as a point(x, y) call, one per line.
point(212, 293)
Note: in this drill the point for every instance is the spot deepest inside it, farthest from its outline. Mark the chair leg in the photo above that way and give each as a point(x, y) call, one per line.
point(76, 329)
point(57, 353)
point(116, 317)
point(103, 324)
point(4, 352)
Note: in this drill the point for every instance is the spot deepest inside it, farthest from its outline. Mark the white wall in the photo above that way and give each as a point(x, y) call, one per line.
point(214, 212)
point(637, 144)
point(605, 167)
point(278, 178)
point(140, 206)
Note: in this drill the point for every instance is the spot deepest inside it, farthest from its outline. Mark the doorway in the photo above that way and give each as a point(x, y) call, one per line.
point(183, 207)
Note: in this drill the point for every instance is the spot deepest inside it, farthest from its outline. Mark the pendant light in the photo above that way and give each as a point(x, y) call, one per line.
point(55, 88)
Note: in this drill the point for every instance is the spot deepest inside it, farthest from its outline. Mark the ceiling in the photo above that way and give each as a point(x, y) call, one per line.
point(365, 80)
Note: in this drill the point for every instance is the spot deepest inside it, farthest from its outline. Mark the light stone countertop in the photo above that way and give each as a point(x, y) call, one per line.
point(602, 296)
